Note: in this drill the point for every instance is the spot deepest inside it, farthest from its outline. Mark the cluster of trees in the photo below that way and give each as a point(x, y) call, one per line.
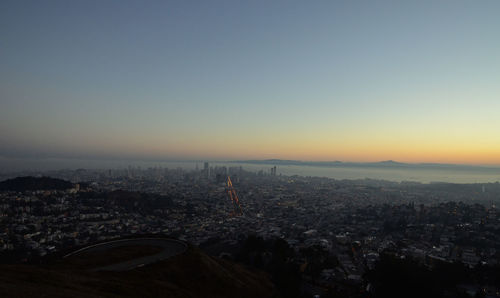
point(34, 183)
point(405, 277)
point(275, 257)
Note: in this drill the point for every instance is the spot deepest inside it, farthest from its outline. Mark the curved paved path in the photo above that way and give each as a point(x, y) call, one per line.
point(170, 248)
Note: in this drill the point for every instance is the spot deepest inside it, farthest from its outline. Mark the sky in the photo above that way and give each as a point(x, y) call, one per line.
point(412, 81)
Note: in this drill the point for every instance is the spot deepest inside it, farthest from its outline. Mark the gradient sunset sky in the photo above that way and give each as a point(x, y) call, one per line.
point(412, 81)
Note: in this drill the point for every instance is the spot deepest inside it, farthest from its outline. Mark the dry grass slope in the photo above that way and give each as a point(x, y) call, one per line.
point(191, 274)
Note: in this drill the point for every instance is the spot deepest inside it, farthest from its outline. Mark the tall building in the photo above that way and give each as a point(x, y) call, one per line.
point(206, 170)
point(273, 171)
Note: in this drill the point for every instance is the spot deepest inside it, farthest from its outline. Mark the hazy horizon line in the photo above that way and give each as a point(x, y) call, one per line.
point(4, 158)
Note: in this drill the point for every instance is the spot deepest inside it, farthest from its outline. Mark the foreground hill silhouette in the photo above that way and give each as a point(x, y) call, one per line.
point(34, 183)
point(191, 274)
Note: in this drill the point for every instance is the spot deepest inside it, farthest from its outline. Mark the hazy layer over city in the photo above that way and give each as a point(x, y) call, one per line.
point(355, 81)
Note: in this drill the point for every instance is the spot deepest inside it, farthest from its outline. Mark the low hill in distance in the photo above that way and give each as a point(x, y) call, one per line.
point(34, 183)
point(380, 164)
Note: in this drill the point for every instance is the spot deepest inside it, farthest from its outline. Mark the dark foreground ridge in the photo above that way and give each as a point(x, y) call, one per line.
point(188, 274)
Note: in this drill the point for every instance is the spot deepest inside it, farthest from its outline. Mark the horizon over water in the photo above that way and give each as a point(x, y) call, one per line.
point(467, 174)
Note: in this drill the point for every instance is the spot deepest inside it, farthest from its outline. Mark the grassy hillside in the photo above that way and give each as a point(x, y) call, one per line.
point(191, 274)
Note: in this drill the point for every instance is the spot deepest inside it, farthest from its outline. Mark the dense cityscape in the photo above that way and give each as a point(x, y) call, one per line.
point(336, 230)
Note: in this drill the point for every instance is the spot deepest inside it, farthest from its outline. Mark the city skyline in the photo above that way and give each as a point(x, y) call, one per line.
point(352, 81)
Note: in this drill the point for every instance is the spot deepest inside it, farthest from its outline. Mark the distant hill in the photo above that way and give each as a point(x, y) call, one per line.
point(191, 274)
point(34, 183)
point(336, 163)
point(380, 164)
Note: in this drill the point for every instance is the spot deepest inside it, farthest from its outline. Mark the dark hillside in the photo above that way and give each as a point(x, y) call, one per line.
point(34, 183)
point(191, 274)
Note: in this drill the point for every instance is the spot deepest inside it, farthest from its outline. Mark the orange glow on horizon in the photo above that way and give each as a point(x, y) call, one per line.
point(296, 145)
point(410, 153)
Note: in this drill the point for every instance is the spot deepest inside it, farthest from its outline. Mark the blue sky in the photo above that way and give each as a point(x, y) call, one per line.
point(323, 80)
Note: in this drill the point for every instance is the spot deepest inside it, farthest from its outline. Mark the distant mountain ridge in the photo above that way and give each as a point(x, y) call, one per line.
point(380, 164)
point(34, 183)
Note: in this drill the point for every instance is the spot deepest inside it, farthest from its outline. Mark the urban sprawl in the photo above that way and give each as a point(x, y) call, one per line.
point(353, 220)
